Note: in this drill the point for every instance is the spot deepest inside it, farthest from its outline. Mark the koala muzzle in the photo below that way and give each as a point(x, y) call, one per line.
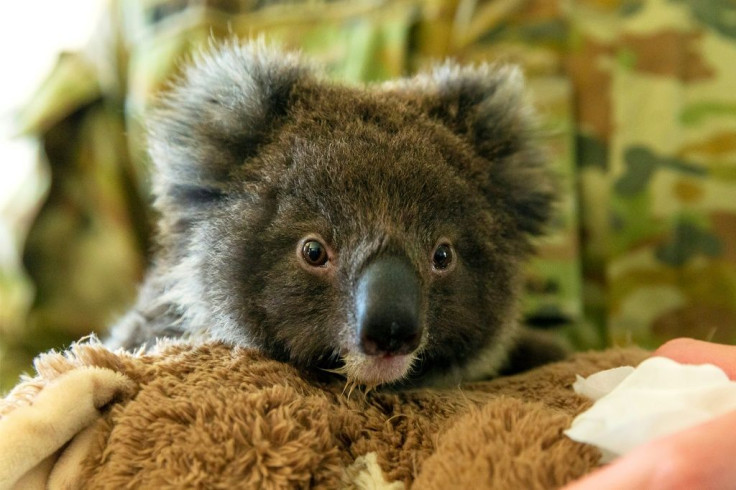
point(388, 307)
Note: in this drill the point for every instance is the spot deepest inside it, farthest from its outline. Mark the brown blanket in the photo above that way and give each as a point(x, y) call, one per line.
point(209, 416)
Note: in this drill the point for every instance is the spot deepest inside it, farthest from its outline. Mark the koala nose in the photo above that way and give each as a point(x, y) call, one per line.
point(388, 305)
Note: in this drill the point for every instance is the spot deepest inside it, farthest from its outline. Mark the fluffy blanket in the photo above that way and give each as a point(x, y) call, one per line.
point(209, 416)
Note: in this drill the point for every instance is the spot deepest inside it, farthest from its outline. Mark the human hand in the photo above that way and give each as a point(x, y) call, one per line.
point(700, 457)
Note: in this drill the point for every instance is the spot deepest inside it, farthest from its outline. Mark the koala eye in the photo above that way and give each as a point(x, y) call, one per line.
point(443, 257)
point(314, 253)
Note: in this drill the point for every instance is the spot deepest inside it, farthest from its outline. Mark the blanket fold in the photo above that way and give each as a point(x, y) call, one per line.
point(31, 435)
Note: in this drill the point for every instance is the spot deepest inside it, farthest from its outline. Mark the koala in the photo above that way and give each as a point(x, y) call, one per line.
point(374, 231)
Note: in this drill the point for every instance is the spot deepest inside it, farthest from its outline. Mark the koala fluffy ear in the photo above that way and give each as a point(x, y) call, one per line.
point(486, 107)
point(216, 116)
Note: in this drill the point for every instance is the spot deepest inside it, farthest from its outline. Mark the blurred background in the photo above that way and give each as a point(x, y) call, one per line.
point(32, 36)
point(636, 99)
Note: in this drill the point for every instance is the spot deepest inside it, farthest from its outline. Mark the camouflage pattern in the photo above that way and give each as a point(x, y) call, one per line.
point(636, 104)
point(657, 166)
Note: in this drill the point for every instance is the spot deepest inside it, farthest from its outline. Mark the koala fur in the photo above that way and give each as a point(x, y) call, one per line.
point(257, 158)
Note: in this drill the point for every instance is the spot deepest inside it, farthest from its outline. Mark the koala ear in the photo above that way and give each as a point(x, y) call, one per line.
point(216, 116)
point(485, 106)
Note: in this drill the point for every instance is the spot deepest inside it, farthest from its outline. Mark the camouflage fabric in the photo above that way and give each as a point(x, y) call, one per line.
point(636, 104)
point(657, 166)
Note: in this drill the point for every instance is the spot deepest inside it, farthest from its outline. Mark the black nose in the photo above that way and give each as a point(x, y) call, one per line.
point(388, 305)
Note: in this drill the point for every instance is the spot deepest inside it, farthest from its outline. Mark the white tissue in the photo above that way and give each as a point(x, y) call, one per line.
point(659, 397)
point(600, 384)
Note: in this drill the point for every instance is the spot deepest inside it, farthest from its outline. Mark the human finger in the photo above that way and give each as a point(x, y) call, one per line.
point(691, 351)
point(699, 457)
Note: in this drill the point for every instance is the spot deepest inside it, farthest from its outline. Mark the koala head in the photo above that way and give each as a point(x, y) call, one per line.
point(377, 230)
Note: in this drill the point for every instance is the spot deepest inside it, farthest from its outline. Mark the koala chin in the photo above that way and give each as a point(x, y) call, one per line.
point(376, 231)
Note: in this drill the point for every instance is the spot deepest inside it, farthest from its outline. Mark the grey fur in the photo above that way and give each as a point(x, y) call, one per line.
point(253, 150)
